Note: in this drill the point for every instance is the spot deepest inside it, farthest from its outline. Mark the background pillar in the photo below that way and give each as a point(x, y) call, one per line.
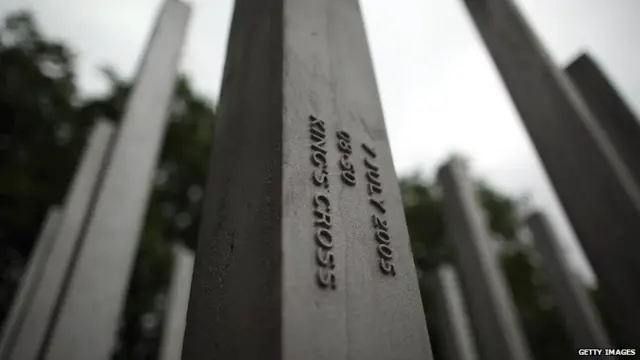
point(581, 319)
point(88, 320)
point(49, 292)
point(596, 188)
point(492, 311)
point(177, 302)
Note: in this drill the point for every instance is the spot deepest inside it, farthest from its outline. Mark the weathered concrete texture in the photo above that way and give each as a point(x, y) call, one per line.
point(255, 292)
point(452, 316)
point(492, 312)
point(29, 281)
point(609, 110)
point(580, 316)
point(88, 319)
point(596, 189)
point(80, 200)
point(175, 319)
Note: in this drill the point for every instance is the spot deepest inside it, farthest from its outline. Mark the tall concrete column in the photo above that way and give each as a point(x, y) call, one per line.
point(452, 316)
point(304, 251)
point(29, 281)
point(609, 109)
point(492, 311)
point(40, 314)
point(88, 319)
point(176, 309)
point(579, 314)
point(596, 189)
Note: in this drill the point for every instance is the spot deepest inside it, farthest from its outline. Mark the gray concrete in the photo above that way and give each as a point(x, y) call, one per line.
point(491, 309)
point(29, 281)
point(596, 189)
point(88, 319)
point(609, 109)
point(256, 293)
point(175, 319)
point(452, 316)
point(581, 318)
point(77, 208)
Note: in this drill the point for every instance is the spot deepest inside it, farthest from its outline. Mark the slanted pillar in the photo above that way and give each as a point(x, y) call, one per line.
point(609, 109)
point(597, 190)
point(580, 316)
point(175, 318)
point(304, 250)
point(452, 316)
point(29, 281)
point(88, 319)
point(40, 314)
point(491, 308)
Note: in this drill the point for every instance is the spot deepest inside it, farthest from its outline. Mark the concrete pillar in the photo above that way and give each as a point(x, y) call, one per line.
point(176, 309)
point(596, 189)
point(80, 200)
point(609, 109)
point(88, 319)
point(580, 317)
point(452, 316)
point(29, 281)
point(304, 251)
point(492, 311)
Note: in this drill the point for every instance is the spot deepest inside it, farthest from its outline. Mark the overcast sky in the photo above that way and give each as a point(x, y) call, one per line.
point(440, 91)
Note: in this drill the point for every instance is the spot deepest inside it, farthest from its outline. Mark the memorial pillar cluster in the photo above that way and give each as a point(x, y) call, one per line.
point(587, 140)
point(73, 293)
point(304, 251)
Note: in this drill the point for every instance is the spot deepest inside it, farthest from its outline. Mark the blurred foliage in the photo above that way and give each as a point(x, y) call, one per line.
point(44, 123)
